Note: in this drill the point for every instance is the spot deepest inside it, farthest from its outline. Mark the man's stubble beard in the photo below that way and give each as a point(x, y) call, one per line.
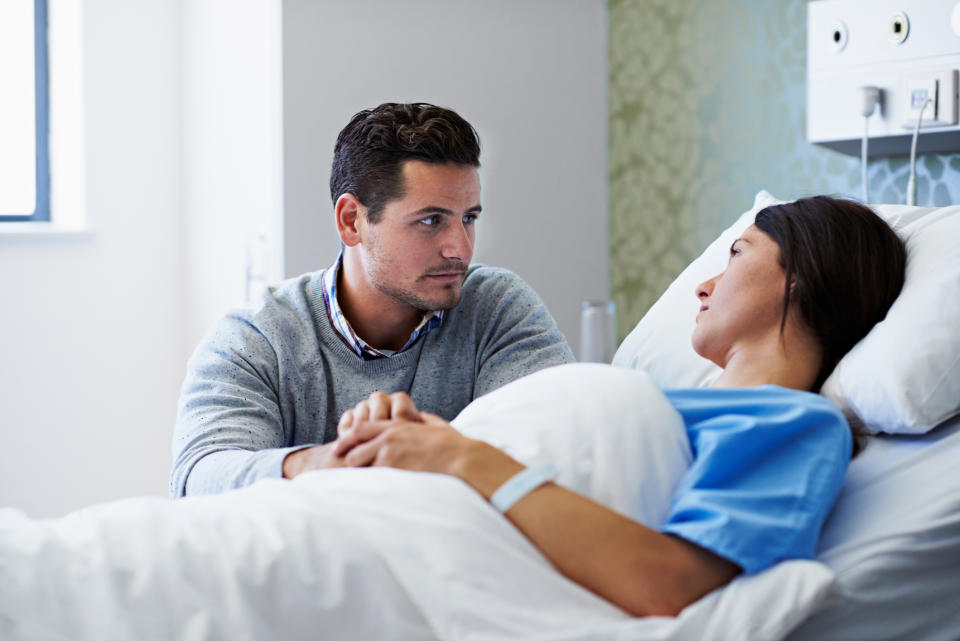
point(410, 297)
point(419, 303)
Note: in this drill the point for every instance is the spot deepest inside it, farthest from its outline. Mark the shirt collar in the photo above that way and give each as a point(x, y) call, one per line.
point(430, 321)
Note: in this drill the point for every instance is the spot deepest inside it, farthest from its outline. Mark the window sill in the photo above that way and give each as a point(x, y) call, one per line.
point(42, 230)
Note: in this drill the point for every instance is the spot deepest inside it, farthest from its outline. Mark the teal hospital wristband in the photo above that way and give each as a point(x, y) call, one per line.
point(521, 484)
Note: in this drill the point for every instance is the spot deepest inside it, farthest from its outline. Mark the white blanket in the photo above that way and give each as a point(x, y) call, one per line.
point(386, 554)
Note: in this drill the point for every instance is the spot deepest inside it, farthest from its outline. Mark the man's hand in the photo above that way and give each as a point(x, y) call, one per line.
point(377, 408)
point(318, 457)
point(431, 445)
point(427, 445)
point(373, 411)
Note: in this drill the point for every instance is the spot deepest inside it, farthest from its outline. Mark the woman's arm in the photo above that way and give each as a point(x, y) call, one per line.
point(642, 571)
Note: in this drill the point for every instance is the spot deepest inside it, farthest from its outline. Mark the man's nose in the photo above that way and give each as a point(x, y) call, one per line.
point(457, 243)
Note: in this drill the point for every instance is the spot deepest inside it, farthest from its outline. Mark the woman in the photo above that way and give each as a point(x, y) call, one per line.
point(804, 284)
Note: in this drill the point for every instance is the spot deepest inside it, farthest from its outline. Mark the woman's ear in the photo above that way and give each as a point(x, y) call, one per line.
point(350, 216)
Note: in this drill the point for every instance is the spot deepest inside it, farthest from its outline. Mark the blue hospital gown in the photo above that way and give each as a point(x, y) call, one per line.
point(768, 465)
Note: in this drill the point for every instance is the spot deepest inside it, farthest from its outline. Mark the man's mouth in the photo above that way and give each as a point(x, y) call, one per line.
point(445, 276)
point(446, 273)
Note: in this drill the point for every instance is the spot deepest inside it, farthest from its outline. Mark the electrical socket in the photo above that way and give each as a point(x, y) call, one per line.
point(940, 87)
point(917, 90)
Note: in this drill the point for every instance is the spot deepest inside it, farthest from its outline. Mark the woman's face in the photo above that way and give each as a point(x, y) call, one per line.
point(745, 302)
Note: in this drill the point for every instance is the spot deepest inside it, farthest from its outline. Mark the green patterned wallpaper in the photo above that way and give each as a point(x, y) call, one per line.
point(707, 107)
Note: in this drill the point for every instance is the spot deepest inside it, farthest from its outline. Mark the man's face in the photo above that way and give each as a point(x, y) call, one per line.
point(418, 252)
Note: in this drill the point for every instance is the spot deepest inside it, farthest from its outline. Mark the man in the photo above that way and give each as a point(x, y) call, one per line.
point(400, 309)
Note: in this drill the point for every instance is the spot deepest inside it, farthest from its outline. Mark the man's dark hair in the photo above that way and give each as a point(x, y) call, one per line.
point(846, 264)
point(370, 151)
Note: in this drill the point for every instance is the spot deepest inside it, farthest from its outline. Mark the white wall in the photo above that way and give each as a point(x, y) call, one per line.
point(530, 75)
point(90, 324)
point(232, 150)
point(182, 163)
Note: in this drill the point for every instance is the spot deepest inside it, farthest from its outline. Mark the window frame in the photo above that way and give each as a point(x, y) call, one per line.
point(41, 212)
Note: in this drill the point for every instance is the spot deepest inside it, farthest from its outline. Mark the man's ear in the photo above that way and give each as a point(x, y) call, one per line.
point(350, 215)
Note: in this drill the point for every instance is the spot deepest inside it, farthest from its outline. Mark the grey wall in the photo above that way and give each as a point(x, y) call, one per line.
point(530, 75)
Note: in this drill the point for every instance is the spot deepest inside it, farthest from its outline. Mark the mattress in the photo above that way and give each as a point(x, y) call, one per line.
point(893, 540)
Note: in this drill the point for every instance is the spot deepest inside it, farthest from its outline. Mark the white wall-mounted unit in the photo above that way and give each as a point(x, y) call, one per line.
point(909, 49)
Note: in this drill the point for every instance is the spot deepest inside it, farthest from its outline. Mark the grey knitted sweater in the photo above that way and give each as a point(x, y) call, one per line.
point(275, 378)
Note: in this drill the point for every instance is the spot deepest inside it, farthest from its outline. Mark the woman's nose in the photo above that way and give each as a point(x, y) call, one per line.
point(705, 288)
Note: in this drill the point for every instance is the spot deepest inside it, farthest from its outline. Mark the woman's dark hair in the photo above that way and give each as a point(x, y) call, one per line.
point(370, 151)
point(844, 268)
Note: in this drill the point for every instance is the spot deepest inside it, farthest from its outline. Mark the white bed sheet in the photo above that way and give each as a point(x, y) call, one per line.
point(386, 554)
point(893, 540)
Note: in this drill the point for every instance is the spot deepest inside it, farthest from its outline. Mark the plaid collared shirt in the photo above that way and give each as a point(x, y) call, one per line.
point(430, 320)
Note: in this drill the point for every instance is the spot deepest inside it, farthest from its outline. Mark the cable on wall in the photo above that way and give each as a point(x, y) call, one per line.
point(912, 182)
point(871, 97)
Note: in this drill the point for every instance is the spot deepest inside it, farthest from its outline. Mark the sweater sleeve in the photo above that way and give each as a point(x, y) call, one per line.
point(229, 430)
point(520, 337)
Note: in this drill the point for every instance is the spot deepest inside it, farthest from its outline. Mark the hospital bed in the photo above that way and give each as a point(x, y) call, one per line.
point(386, 554)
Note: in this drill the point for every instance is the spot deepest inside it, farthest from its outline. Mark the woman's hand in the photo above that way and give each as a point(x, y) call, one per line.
point(430, 445)
point(377, 407)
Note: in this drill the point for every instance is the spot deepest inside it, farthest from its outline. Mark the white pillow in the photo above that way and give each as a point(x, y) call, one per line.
point(611, 433)
point(903, 377)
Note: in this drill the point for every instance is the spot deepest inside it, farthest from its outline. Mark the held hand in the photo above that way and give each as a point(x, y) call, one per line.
point(318, 457)
point(433, 445)
point(428, 445)
point(377, 408)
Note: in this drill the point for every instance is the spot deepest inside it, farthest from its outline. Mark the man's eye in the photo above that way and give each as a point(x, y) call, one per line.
point(430, 220)
point(469, 219)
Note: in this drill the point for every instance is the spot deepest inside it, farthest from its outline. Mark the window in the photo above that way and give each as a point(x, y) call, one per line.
point(24, 112)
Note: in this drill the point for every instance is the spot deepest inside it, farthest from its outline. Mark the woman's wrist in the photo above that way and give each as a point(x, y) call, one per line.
point(521, 484)
point(485, 468)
